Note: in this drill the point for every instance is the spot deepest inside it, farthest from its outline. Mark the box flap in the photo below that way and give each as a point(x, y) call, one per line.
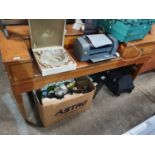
point(46, 32)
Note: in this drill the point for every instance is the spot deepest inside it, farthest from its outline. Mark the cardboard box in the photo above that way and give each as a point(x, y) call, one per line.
point(54, 110)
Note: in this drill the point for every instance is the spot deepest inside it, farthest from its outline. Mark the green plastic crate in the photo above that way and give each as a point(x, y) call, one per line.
point(127, 29)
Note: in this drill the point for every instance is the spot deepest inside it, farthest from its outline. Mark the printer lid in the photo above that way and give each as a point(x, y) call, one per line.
point(46, 32)
point(99, 40)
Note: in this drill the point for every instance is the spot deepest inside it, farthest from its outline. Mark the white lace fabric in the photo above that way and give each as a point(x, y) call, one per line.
point(50, 58)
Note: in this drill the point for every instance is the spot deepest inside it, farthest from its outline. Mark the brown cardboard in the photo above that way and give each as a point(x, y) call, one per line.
point(51, 113)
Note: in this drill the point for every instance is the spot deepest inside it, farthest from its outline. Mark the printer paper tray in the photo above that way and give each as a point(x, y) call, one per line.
point(100, 57)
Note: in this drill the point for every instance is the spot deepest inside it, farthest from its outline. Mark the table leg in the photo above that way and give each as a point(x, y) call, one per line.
point(20, 104)
point(138, 71)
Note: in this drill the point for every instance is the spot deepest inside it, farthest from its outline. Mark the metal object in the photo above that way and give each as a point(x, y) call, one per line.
point(4, 29)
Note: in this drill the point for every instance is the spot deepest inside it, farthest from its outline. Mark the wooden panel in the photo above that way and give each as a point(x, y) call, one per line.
point(71, 35)
point(69, 41)
point(71, 31)
point(19, 32)
point(131, 52)
point(128, 52)
point(150, 65)
point(40, 81)
point(147, 48)
point(134, 48)
point(147, 39)
point(22, 71)
point(13, 50)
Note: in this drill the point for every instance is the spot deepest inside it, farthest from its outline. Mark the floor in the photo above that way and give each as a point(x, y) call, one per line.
point(109, 115)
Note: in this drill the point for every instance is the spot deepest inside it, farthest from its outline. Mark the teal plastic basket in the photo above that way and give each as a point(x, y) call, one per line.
point(126, 30)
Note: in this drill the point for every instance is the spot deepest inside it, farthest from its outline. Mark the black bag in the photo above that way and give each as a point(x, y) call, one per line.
point(120, 80)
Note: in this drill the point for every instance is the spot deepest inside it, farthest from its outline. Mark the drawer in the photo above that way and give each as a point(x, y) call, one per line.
point(134, 51)
point(147, 49)
point(21, 71)
point(149, 65)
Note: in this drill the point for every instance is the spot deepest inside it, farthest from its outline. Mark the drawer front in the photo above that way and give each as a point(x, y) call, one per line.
point(147, 49)
point(149, 65)
point(21, 71)
point(134, 51)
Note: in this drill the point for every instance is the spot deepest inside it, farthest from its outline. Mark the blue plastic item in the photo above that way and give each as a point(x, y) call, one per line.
point(126, 30)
